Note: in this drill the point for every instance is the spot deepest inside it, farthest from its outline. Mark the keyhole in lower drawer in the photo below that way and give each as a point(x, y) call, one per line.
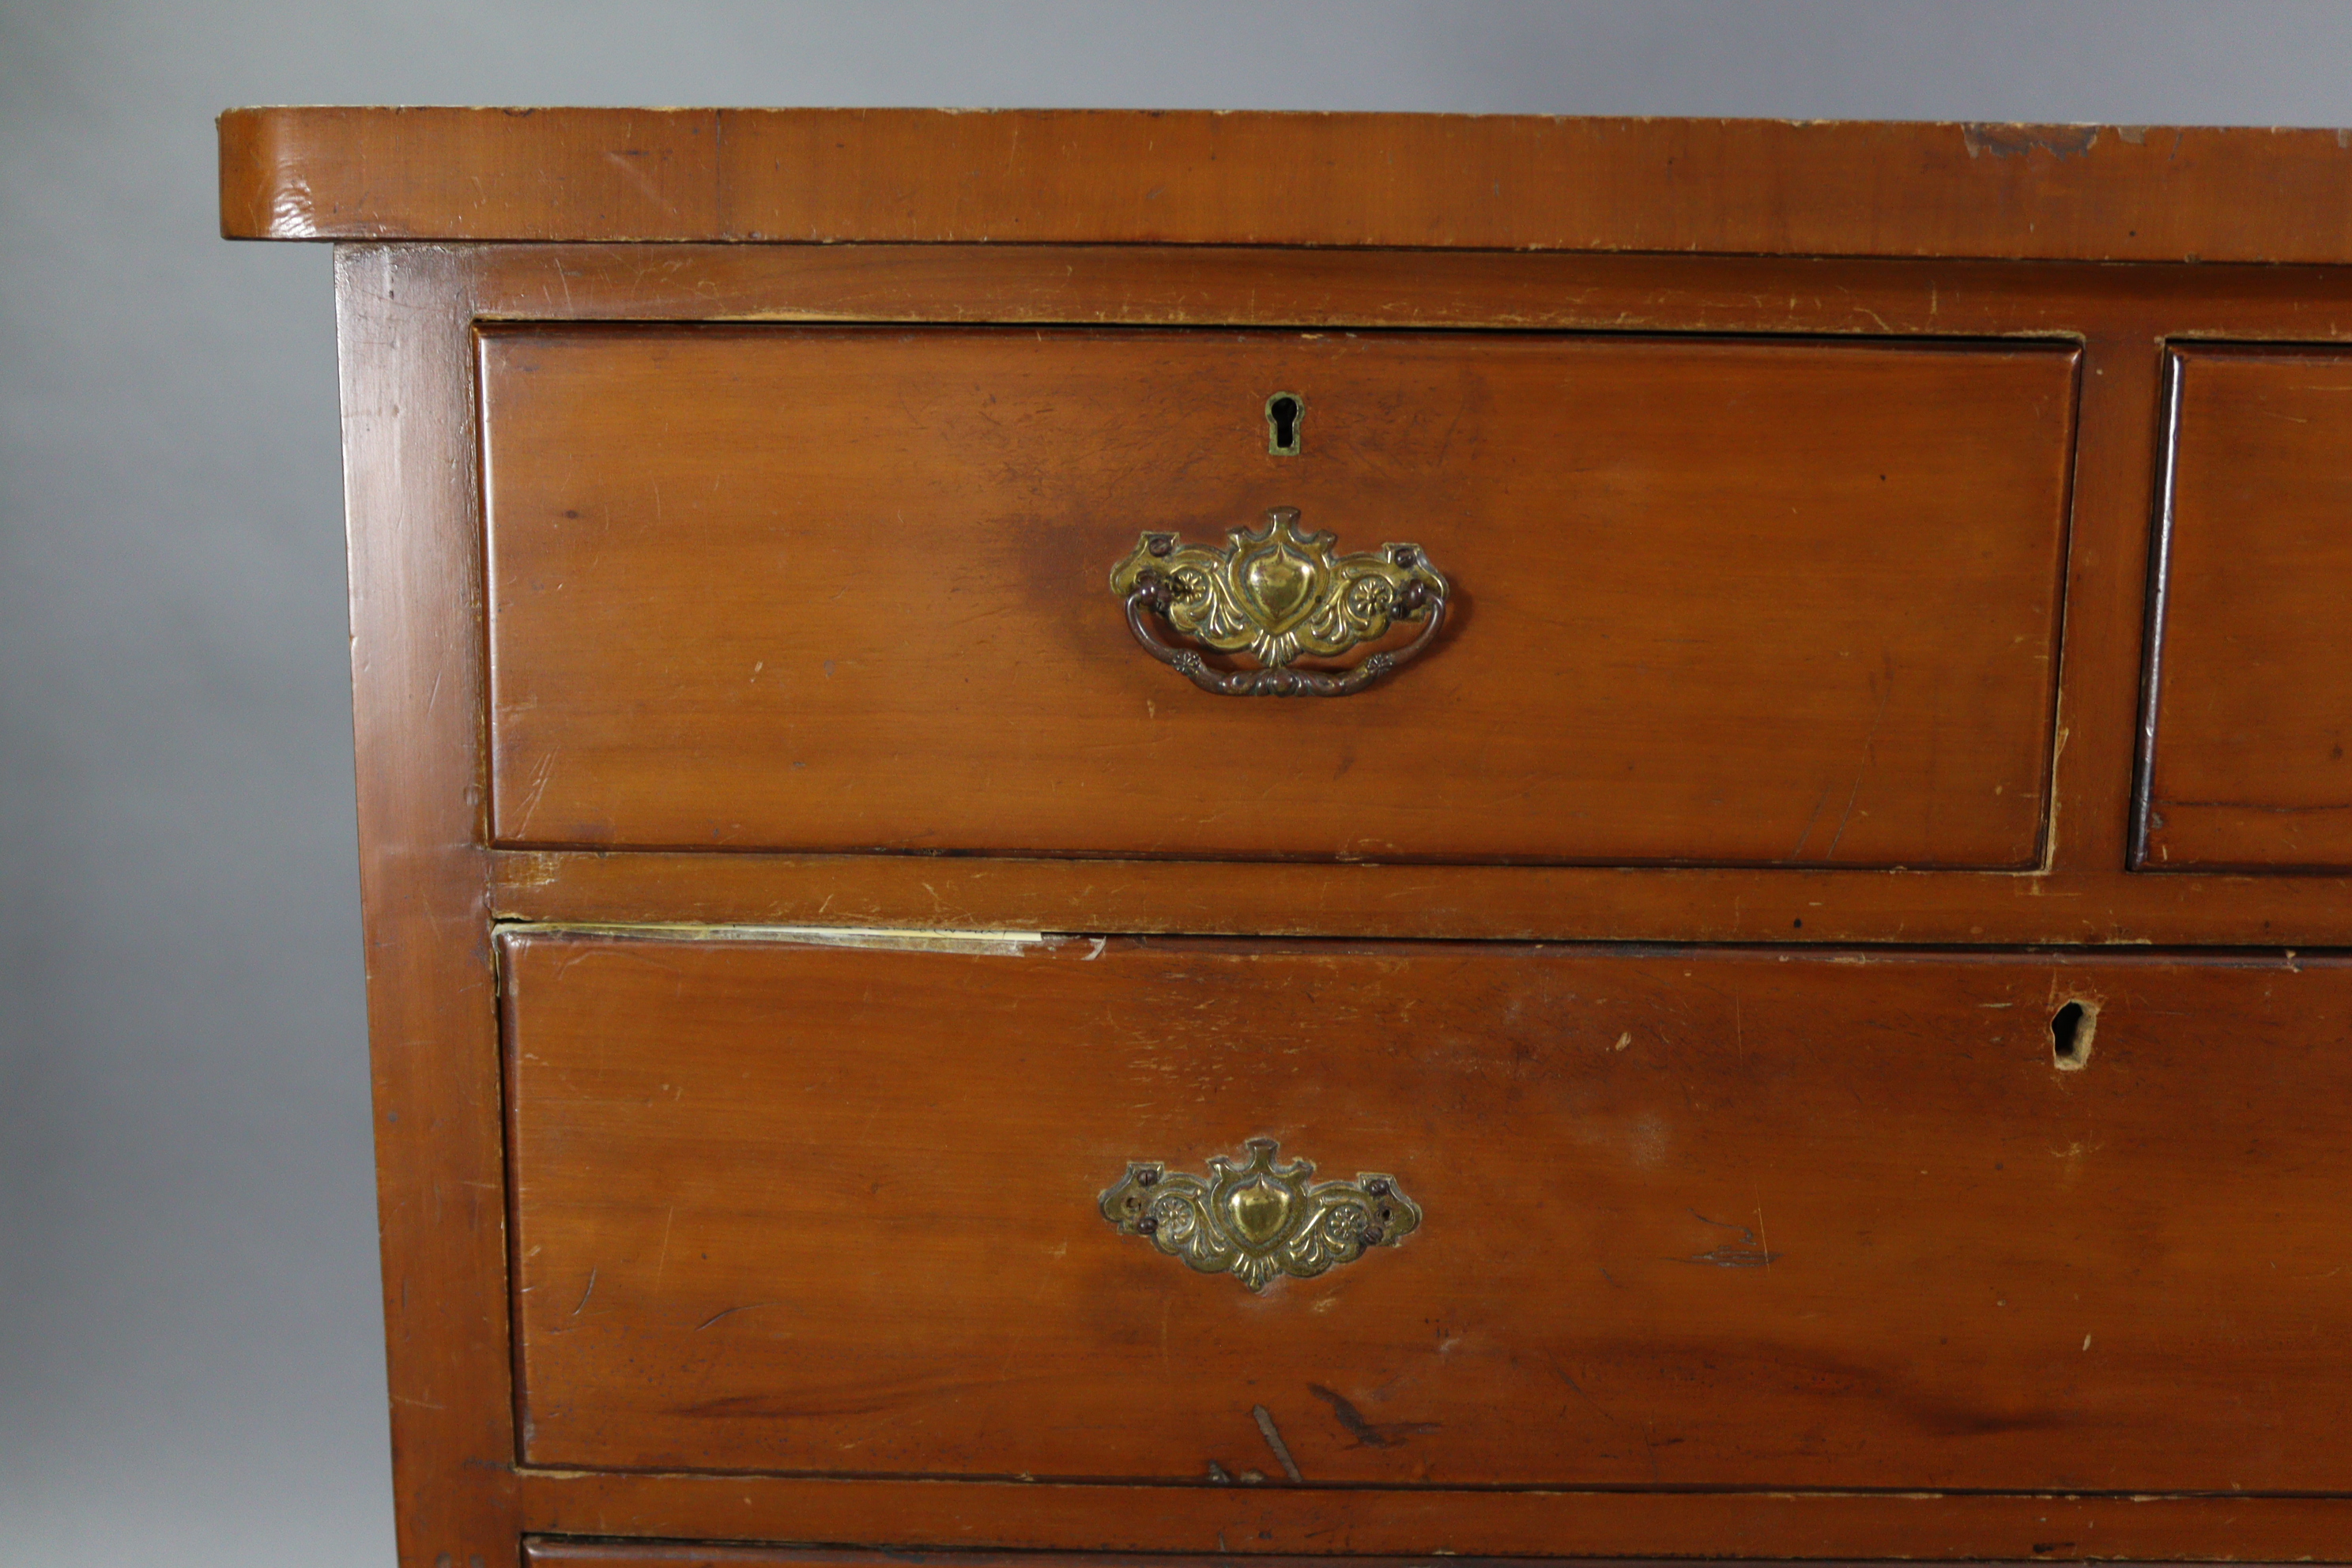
point(2070, 1035)
point(1284, 412)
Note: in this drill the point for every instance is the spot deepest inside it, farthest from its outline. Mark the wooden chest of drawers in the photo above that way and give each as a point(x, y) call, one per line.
point(1182, 836)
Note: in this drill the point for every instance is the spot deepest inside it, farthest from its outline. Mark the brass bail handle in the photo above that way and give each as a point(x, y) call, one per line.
point(1275, 595)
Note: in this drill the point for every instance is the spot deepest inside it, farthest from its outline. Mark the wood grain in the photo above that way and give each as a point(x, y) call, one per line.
point(1242, 1521)
point(1714, 1218)
point(417, 677)
point(2172, 1199)
point(2108, 540)
point(551, 1553)
point(2125, 315)
point(1733, 186)
point(1718, 602)
point(1172, 286)
point(2253, 682)
point(457, 1495)
point(1483, 902)
point(597, 174)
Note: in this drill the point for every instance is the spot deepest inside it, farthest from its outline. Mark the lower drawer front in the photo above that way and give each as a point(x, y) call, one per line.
point(1722, 1218)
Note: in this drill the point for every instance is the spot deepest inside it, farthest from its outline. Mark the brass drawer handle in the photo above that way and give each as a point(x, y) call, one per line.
point(1257, 1219)
point(1275, 595)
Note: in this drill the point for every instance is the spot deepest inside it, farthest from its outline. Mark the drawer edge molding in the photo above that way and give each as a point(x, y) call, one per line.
point(1569, 903)
point(1266, 1522)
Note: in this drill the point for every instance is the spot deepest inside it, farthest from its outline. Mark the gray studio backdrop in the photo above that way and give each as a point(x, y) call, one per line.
point(190, 1355)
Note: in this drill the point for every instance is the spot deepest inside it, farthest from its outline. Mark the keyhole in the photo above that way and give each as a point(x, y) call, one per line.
point(1284, 412)
point(2071, 1028)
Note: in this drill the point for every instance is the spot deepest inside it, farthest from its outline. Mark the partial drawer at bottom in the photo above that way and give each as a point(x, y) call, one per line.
point(1576, 1217)
point(554, 1553)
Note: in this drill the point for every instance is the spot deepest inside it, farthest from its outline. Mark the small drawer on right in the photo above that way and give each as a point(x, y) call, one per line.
point(2250, 679)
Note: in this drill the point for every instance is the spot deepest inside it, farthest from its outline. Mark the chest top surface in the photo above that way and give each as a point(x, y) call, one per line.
point(1743, 187)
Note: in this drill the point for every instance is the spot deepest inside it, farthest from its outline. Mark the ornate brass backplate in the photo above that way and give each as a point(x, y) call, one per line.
point(1277, 595)
point(1258, 1219)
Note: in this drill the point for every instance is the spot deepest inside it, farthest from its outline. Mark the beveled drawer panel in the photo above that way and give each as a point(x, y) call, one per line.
point(1714, 601)
point(2252, 679)
point(1703, 1218)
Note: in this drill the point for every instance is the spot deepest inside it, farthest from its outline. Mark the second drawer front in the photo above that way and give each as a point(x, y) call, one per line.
point(1698, 1219)
point(836, 589)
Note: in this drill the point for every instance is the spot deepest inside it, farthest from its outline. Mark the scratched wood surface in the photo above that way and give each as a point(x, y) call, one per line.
point(2122, 315)
point(2253, 707)
point(2051, 192)
point(841, 588)
point(1276, 1517)
point(416, 681)
point(1478, 903)
point(1711, 1218)
point(552, 1552)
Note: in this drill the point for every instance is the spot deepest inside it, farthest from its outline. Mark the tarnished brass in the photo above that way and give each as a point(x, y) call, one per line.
point(1257, 1219)
point(1277, 595)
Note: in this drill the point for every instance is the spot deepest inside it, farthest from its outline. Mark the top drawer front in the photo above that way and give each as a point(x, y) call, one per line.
point(833, 589)
point(2253, 701)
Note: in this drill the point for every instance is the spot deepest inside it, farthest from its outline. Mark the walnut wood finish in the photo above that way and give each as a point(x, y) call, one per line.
point(838, 589)
point(2254, 693)
point(1509, 902)
point(1272, 1518)
point(1713, 1218)
point(1496, 182)
point(556, 1553)
point(410, 481)
point(408, 316)
point(2123, 316)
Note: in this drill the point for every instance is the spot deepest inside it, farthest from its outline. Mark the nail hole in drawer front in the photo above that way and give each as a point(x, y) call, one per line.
point(2071, 1028)
point(1711, 1220)
point(1709, 602)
